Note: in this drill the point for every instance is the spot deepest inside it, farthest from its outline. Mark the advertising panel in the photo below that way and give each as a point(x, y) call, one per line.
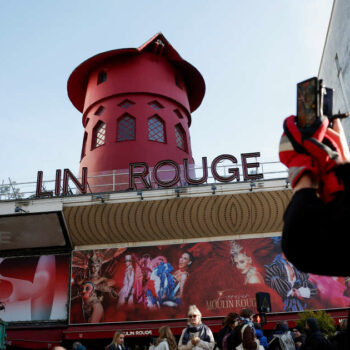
point(34, 288)
point(160, 282)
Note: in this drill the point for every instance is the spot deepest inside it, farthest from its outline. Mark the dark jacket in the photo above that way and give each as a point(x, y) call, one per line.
point(222, 332)
point(314, 338)
point(341, 340)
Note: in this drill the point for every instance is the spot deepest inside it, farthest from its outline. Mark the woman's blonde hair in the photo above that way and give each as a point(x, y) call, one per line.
point(166, 333)
point(116, 336)
point(194, 308)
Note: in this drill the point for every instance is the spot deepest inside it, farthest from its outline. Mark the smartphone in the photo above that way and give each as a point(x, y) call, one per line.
point(308, 102)
point(327, 105)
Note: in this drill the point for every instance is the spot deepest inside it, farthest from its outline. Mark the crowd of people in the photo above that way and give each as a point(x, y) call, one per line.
point(240, 332)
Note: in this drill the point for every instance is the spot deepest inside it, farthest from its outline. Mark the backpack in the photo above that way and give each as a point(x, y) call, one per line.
point(285, 341)
point(224, 341)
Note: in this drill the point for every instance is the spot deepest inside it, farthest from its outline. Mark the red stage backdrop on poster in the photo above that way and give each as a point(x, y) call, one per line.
point(160, 282)
point(34, 288)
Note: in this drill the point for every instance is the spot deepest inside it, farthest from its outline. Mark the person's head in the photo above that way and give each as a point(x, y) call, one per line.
point(194, 315)
point(118, 338)
point(311, 325)
point(231, 320)
point(88, 290)
point(239, 258)
point(185, 260)
point(297, 330)
point(128, 259)
point(242, 262)
point(78, 346)
point(94, 264)
point(282, 326)
point(246, 313)
point(165, 332)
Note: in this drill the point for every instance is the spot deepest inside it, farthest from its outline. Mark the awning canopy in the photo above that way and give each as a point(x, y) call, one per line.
point(39, 338)
point(138, 329)
point(47, 338)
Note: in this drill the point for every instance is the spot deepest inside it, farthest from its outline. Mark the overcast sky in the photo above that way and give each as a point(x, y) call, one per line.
point(251, 54)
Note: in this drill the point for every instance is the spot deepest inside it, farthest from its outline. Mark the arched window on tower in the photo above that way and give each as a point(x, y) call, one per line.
point(83, 150)
point(180, 137)
point(101, 77)
point(99, 110)
point(156, 129)
point(126, 128)
point(99, 135)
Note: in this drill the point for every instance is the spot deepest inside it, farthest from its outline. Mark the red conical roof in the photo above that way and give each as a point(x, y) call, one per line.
point(194, 81)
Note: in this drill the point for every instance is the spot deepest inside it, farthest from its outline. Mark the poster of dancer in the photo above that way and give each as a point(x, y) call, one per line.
point(159, 282)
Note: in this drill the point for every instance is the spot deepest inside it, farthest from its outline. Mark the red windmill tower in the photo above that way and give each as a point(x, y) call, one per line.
point(136, 105)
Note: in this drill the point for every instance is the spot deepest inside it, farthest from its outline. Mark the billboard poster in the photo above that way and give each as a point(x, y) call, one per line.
point(34, 288)
point(160, 282)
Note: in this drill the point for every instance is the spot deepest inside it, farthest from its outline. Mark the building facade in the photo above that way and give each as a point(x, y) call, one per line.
point(334, 67)
point(80, 264)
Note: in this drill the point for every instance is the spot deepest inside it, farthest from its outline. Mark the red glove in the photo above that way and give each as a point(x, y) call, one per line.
point(318, 144)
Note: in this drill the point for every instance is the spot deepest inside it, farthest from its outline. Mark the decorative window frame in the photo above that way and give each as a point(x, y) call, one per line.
point(156, 116)
point(180, 129)
point(119, 120)
point(94, 143)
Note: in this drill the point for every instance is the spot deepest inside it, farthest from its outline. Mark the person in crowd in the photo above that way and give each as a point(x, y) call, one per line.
point(230, 322)
point(315, 340)
point(318, 160)
point(260, 335)
point(317, 157)
point(196, 335)
point(166, 339)
point(281, 337)
point(298, 337)
point(340, 340)
point(246, 331)
point(117, 342)
point(77, 345)
point(150, 342)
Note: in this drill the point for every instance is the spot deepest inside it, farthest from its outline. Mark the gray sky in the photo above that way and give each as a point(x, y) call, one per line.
point(251, 54)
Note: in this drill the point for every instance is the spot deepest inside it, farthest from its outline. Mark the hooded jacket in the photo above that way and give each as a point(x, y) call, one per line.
point(314, 339)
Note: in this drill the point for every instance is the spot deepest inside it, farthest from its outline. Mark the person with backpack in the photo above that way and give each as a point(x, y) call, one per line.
point(230, 322)
point(281, 338)
point(245, 332)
